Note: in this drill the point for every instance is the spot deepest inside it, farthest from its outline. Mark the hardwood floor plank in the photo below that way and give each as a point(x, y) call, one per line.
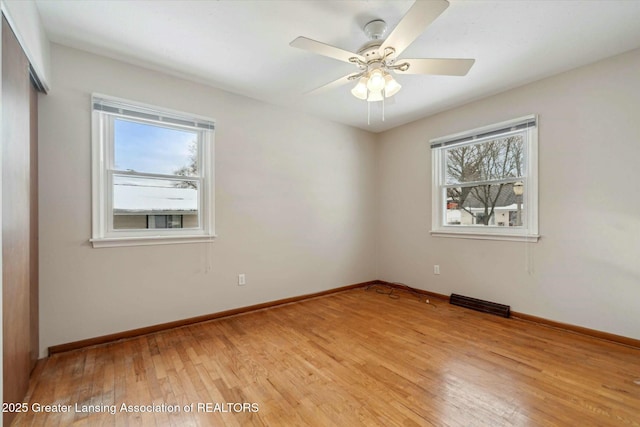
point(351, 358)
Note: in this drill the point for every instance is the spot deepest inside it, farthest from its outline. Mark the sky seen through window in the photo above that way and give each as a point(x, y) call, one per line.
point(149, 148)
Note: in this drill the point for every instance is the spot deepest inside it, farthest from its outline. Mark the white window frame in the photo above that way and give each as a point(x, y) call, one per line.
point(528, 232)
point(105, 109)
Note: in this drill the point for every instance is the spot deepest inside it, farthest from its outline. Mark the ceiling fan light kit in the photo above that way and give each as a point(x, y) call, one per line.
point(391, 86)
point(376, 86)
point(375, 82)
point(360, 90)
point(379, 58)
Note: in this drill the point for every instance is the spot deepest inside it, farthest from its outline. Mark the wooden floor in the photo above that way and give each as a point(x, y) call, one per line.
point(347, 359)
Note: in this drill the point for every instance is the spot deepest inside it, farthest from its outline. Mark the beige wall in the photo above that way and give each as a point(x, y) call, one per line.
point(302, 204)
point(585, 269)
point(294, 204)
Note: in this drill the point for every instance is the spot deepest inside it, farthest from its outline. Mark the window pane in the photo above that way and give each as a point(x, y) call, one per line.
point(143, 147)
point(496, 159)
point(174, 221)
point(140, 203)
point(156, 221)
point(493, 205)
point(164, 221)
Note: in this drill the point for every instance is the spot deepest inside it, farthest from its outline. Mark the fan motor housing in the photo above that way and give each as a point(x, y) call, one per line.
point(375, 30)
point(371, 51)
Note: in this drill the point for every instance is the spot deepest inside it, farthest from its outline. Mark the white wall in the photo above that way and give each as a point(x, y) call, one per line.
point(294, 204)
point(585, 269)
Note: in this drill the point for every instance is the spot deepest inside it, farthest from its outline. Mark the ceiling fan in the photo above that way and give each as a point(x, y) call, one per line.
point(377, 59)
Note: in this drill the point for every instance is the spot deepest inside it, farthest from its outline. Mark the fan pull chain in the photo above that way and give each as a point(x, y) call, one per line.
point(383, 96)
point(368, 113)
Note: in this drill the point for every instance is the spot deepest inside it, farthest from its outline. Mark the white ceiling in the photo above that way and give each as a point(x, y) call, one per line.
point(243, 46)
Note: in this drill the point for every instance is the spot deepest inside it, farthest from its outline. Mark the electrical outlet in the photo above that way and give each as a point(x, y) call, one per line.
point(242, 279)
point(436, 269)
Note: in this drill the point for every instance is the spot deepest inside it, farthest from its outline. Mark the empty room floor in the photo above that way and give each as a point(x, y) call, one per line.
point(352, 358)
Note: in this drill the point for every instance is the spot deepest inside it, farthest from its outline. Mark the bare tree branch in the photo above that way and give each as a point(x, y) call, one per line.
point(191, 169)
point(492, 160)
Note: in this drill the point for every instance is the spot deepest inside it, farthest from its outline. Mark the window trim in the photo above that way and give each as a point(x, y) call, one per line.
point(103, 234)
point(528, 233)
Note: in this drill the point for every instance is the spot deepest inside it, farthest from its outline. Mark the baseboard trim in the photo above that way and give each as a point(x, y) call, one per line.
point(105, 339)
point(404, 287)
point(132, 333)
point(594, 333)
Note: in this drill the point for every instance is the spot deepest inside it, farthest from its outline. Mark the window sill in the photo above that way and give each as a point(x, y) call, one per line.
point(111, 242)
point(532, 238)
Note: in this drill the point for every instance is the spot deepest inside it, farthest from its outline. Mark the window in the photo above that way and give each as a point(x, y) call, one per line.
point(152, 175)
point(485, 183)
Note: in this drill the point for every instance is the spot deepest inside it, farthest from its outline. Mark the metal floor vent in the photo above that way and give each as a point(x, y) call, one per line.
point(480, 305)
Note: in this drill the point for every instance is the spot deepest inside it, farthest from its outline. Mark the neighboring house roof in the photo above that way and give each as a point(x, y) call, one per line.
point(506, 198)
point(141, 200)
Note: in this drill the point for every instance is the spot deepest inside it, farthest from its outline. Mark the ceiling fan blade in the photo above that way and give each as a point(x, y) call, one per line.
point(437, 66)
point(334, 84)
point(421, 14)
point(324, 49)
